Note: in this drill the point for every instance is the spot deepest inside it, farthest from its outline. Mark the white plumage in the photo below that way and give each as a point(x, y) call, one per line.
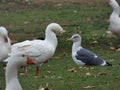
point(40, 50)
point(15, 61)
point(115, 18)
point(5, 44)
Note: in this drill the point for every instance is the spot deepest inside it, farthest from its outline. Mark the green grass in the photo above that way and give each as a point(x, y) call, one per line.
point(91, 21)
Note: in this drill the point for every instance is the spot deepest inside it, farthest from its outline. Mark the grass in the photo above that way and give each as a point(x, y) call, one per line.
point(29, 23)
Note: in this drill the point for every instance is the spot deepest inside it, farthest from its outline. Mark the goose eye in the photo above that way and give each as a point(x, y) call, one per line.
point(23, 55)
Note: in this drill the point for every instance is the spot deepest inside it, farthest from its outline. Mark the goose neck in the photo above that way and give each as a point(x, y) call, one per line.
point(11, 74)
point(50, 36)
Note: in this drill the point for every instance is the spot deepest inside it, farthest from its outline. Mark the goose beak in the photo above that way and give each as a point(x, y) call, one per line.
point(63, 31)
point(10, 34)
point(6, 39)
point(59, 34)
point(30, 61)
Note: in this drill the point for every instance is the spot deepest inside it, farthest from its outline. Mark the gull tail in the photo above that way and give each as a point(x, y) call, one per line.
point(108, 64)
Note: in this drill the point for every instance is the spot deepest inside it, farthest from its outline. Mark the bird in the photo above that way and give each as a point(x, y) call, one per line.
point(40, 50)
point(5, 44)
point(13, 63)
point(84, 57)
point(114, 18)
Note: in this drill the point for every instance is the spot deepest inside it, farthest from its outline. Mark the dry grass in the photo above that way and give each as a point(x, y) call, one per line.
point(71, 1)
point(83, 1)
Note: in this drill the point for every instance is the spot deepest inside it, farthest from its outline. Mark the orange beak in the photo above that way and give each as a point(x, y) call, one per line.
point(30, 61)
point(6, 40)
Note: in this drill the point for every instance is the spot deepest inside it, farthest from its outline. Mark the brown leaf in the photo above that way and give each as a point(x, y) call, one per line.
point(72, 70)
point(94, 42)
point(95, 34)
point(49, 72)
point(55, 57)
point(118, 49)
point(112, 48)
point(89, 87)
point(89, 19)
point(102, 73)
point(44, 89)
point(88, 74)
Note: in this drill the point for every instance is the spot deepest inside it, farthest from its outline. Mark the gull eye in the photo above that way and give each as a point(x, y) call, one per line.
point(75, 36)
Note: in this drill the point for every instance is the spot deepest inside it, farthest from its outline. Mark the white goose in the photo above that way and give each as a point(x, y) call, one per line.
point(115, 18)
point(40, 50)
point(15, 61)
point(5, 44)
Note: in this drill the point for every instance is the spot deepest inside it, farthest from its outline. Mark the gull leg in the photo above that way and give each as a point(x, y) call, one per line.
point(25, 69)
point(4, 66)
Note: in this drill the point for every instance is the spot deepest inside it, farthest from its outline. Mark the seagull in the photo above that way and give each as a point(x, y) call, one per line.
point(40, 50)
point(13, 62)
point(114, 19)
point(82, 56)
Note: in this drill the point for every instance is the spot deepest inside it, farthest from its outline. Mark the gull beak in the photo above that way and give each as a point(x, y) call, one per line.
point(30, 60)
point(68, 39)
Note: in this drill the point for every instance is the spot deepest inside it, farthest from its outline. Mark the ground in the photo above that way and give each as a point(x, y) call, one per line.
point(86, 17)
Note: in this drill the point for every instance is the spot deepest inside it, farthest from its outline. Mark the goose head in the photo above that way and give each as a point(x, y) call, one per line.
point(4, 34)
point(114, 4)
point(56, 28)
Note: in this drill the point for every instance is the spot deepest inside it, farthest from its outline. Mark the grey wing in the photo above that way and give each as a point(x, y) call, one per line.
point(88, 57)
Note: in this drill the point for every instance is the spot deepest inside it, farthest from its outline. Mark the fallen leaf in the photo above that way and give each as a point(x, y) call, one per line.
point(56, 57)
point(26, 22)
point(108, 34)
point(49, 72)
point(88, 74)
point(72, 70)
point(89, 19)
point(118, 49)
point(86, 67)
point(95, 34)
point(112, 48)
point(102, 73)
point(89, 87)
point(94, 42)
point(44, 89)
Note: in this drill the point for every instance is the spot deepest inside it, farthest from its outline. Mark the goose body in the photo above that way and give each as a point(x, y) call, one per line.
point(19, 59)
point(5, 44)
point(40, 50)
point(114, 19)
point(82, 56)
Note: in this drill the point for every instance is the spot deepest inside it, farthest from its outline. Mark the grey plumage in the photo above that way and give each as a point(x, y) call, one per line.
point(88, 57)
point(82, 56)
